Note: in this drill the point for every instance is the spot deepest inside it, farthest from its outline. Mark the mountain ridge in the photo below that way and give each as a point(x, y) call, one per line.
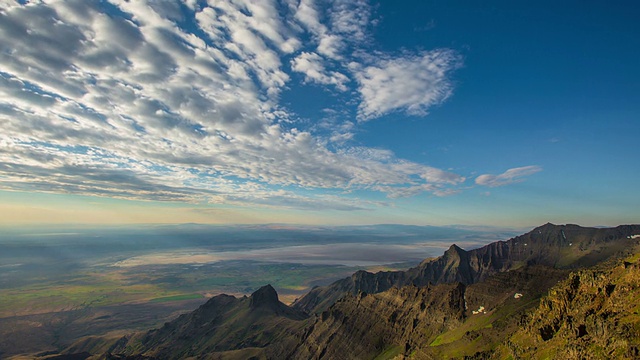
point(543, 245)
point(223, 324)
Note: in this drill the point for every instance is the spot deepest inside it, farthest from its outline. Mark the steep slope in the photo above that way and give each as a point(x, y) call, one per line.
point(394, 321)
point(561, 246)
point(431, 322)
point(221, 326)
point(593, 314)
point(494, 308)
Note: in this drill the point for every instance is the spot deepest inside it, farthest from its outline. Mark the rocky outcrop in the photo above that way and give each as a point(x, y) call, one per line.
point(560, 246)
point(593, 314)
point(494, 309)
point(397, 320)
point(266, 296)
point(431, 322)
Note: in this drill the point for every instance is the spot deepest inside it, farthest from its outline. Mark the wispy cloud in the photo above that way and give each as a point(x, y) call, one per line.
point(311, 65)
point(508, 177)
point(410, 83)
point(180, 101)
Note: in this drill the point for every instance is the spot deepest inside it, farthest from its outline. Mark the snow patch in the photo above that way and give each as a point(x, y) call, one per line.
point(479, 311)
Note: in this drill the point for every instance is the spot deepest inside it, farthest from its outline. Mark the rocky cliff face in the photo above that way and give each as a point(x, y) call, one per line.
point(588, 314)
point(430, 322)
point(394, 321)
point(561, 246)
point(593, 314)
point(494, 308)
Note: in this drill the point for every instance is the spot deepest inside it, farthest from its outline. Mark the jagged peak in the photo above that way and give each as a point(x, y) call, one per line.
point(360, 274)
point(266, 295)
point(546, 226)
point(454, 250)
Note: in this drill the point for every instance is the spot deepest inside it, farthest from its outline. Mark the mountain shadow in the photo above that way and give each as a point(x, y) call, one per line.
point(241, 327)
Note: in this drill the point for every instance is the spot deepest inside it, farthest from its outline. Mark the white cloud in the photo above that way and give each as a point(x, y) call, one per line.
point(437, 176)
point(331, 46)
point(395, 192)
point(287, 199)
point(310, 64)
point(351, 18)
point(508, 177)
point(411, 84)
point(131, 105)
point(307, 14)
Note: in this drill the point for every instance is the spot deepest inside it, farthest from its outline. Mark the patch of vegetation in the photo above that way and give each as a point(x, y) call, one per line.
point(389, 353)
point(474, 323)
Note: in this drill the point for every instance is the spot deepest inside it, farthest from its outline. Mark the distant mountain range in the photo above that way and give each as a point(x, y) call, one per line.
point(483, 303)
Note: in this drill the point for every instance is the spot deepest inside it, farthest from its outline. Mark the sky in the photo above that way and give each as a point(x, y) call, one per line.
point(505, 113)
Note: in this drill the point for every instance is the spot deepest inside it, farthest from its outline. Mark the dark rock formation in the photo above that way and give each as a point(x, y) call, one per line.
point(265, 297)
point(593, 314)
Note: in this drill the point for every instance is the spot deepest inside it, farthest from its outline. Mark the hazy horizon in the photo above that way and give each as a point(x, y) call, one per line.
point(42, 227)
point(47, 269)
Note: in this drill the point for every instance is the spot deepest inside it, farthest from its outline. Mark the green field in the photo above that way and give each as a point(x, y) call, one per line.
point(108, 285)
point(177, 298)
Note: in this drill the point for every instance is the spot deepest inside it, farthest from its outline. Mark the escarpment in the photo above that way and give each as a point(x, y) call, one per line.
point(558, 246)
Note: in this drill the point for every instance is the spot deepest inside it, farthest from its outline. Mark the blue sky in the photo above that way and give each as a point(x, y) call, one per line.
point(307, 111)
